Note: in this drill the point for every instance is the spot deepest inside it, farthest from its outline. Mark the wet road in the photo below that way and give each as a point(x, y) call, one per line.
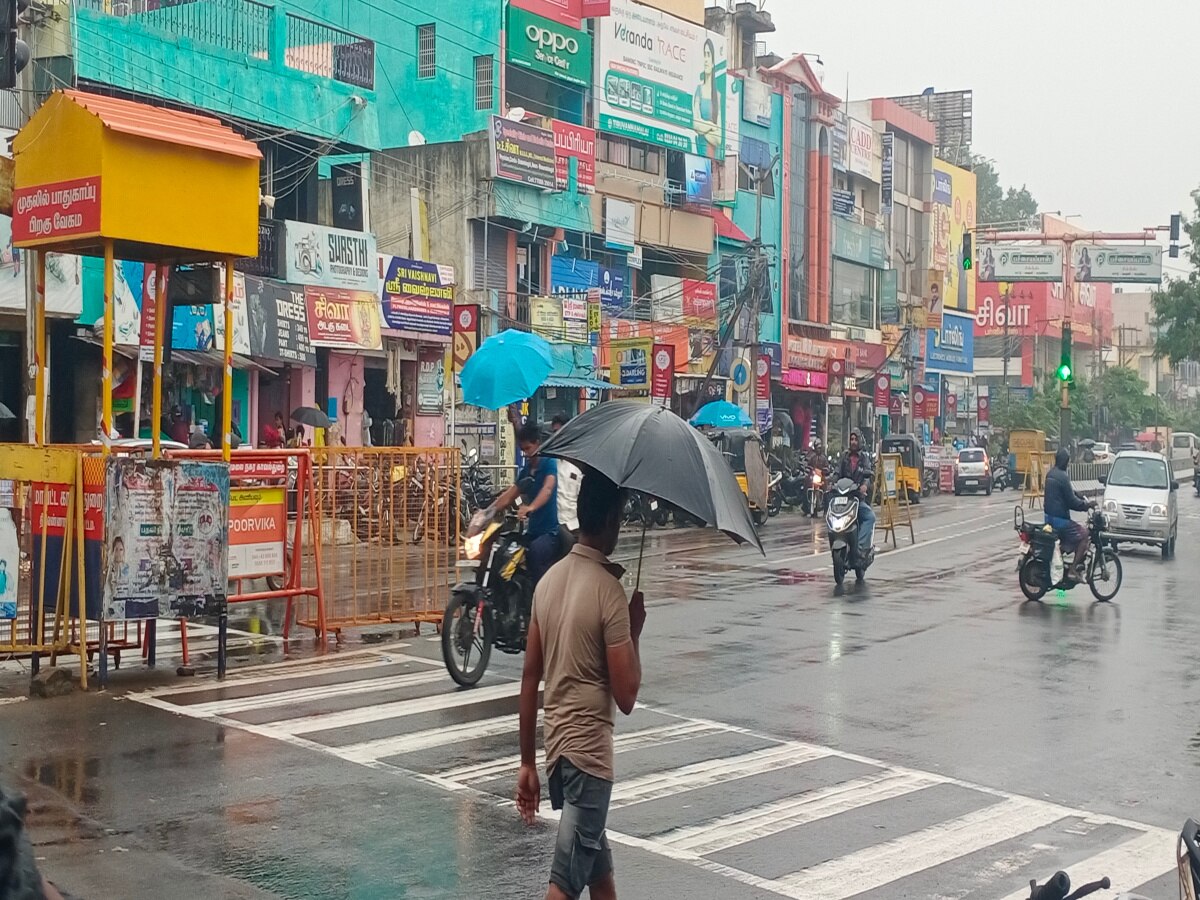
point(923, 735)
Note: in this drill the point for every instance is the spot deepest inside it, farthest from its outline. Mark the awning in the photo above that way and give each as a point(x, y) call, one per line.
point(125, 350)
point(213, 359)
point(576, 381)
point(726, 230)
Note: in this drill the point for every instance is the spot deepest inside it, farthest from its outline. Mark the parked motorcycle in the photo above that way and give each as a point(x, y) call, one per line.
point(644, 510)
point(775, 495)
point(793, 485)
point(841, 522)
point(494, 608)
point(1038, 565)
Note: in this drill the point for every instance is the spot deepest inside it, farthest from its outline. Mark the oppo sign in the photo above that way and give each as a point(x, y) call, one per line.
point(551, 40)
point(545, 46)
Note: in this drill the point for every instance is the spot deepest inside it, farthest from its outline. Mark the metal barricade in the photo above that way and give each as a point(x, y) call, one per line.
point(389, 522)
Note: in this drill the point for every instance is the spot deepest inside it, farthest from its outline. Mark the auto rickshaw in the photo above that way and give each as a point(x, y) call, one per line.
point(743, 448)
point(912, 462)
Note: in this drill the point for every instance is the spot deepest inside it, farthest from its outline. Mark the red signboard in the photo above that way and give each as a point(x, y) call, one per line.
point(466, 333)
point(337, 316)
point(983, 411)
point(699, 302)
point(951, 406)
point(60, 210)
point(662, 374)
point(596, 9)
point(925, 404)
point(565, 12)
point(896, 407)
point(580, 143)
point(883, 394)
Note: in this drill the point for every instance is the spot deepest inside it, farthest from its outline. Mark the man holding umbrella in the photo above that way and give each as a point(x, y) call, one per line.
point(583, 641)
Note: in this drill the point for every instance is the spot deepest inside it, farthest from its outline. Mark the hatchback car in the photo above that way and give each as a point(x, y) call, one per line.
point(1141, 501)
point(973, 471)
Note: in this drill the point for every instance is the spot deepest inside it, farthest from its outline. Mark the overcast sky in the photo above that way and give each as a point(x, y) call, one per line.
point(1094, 104)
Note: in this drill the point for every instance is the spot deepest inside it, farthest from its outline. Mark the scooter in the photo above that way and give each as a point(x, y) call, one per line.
point(841, 523)
point(1041, 569)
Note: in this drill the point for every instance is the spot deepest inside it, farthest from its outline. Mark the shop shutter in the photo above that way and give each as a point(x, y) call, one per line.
point(493, 276)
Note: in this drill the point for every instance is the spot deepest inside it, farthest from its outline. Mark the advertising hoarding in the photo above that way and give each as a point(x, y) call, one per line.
point(579, 143)
point(417, 296)
point(630, 362)
point(661, 79)
point(863, 156)
point(278, 320)
point(548, 47)
point(620, 224)
point(578, 276)
point(1019, 262)
point(522, 153)
point(1116, 264)
point(662, 381)
point(950, 221)
point(341, 319)
point(951, 348)
point(330, 257)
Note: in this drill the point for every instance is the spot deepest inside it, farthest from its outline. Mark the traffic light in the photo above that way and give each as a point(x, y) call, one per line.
point(14, 52)
point(1064, 372)
point(1176, 228)
point(968, 255)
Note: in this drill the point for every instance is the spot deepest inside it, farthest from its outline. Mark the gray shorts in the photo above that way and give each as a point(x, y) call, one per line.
point(582, 855)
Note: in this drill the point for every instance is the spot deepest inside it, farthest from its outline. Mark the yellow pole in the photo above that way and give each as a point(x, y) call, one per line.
point(160, 314)
point(106, 371)
point(227, 389)
point(39, 427)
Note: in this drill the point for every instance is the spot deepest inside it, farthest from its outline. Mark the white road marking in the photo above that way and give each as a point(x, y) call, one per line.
point(874, 867)
point(319, 692)
point(1128, 865)
point(5, 701)
point(292, 669)
point(772, 818)
point(382, 748)
point(351, 717)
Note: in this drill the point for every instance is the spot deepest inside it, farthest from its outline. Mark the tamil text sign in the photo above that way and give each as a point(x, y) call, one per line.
point(343, 319)
point(50, 212)
point(1116, 264)
point(417, 296)
point(1019, 262)
point(578, 143)
point(951, 348)
point(661, 80)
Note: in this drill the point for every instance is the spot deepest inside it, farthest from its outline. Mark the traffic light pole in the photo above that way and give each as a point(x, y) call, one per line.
point(1068, 242)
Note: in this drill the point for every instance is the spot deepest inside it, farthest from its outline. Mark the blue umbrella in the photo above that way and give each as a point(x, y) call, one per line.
point(506, 368)
point(721, 414)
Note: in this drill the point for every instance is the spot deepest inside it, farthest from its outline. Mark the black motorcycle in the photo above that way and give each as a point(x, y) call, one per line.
point(841, 523)
point(493, 608)
point(1035, 568)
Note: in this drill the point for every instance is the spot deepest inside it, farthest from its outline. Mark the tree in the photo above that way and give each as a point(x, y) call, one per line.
point(1177, 307)
point(995, 205)
point(1121, 393)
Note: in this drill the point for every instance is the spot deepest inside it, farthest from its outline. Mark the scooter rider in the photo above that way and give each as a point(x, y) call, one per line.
point(541, 512)
point(1060, 499)
point(856, 465)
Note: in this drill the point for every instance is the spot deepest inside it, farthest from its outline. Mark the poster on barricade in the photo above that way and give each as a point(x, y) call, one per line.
point(166, 539)
point(10, 564)
point(257, 531)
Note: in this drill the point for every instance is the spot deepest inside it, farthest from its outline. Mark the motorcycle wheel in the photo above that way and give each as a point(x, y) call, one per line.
point(1112, 563)
point(662, 515)
point(775, 503)
point(860, 574)
point(461, 645)
point(1030, 579)
point(839, 570)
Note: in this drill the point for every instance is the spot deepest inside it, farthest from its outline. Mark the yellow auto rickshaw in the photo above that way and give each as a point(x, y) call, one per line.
point(912, 462)
point(743, 448)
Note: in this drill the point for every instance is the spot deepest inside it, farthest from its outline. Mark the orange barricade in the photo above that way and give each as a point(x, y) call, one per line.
point(390, 524)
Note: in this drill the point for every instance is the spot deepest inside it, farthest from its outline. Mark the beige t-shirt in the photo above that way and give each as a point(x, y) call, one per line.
point(581, 609)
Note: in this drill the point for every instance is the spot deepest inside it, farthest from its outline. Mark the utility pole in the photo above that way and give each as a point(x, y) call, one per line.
point(1006, 291)
point(751, 292)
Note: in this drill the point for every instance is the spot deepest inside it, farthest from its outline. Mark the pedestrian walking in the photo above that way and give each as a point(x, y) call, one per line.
point(583, 642)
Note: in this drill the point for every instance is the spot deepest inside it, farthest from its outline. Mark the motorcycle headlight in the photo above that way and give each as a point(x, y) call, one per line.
point(1158, 511)
point(473, 546)
point(816, 477)
point(1110, 506)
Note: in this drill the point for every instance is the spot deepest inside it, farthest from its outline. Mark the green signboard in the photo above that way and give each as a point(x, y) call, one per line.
point(859, 244)
point(545, 46)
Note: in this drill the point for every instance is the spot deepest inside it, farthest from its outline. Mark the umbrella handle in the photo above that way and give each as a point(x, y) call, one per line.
point(641, 550)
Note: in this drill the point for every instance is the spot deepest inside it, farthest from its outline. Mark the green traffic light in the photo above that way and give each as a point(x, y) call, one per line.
point(967, 265)
point(1064, 372)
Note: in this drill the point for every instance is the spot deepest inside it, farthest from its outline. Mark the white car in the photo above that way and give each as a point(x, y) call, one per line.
point(1141, 501)
point(973, 471)
point(1102, 452)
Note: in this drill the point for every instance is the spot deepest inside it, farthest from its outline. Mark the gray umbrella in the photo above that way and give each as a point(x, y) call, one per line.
point(311, 416)
point(6, 413)
point(647, 448)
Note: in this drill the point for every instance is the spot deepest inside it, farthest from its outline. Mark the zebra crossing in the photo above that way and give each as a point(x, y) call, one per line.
point(785, 817)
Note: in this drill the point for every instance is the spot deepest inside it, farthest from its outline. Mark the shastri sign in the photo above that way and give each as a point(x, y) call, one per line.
point(951, 349)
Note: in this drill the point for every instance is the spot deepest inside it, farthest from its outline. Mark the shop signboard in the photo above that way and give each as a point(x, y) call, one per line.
point(330, 257)
point(546, 317)
point(862, 157)
point(684, 301)
point(578, 276)
point(257, 531)
point(579, 143)
point(278, 318)
point(756, 102)
point(887, 171)
point(661, 79)
point(549, 47)
point(575, 318)
point(417, 296)
point(662, 381)
point(594, 319)
point(431, 381)
point(762, 393)
point(565, 12)
point(620, 227)
point(839, 150)
point(883, 394)
point(951, 348)
point(1019, 262)
point(241, 325)
point(192, 328)
point(466, 333)
point(950, 222)
point(843, 204)
point(698, 180)
point(50, 212)
point(896, 405)
point(630, 363)
point(270, 241)
point(836, 369)
point(341, 318)
point(1117, 264)
point(165, 510)
point(889, 297)
point(522, 153)
point(983, 410)
point(859, 244)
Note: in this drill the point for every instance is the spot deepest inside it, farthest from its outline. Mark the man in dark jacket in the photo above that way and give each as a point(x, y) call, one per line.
point(1061, 498)
point(856, 465)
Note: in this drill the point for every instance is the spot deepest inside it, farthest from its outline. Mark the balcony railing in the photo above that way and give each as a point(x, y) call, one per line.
point(321, 49)
point(245, 27)
point(240, 26)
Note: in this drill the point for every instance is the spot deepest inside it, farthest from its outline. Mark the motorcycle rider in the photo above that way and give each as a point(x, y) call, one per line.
point(1060, 498)
point(816, 455)
point(542, 511)
point(856, 465)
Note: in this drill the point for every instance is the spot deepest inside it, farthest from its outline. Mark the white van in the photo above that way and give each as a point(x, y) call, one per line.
point(1184, 445)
